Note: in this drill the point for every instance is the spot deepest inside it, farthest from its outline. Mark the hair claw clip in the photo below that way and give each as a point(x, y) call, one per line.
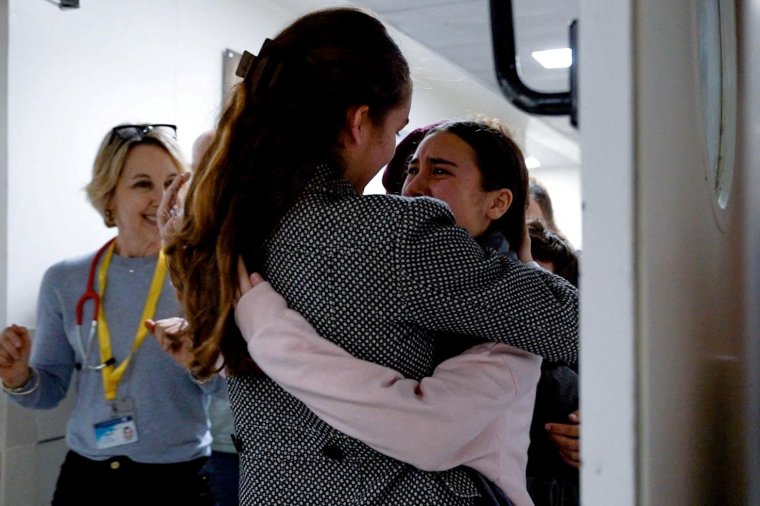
point(248, 61)
point(252, 68)
point(245, 64)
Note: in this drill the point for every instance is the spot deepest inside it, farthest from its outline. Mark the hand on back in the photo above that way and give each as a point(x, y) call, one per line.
point(246, 281)
point(566, 437)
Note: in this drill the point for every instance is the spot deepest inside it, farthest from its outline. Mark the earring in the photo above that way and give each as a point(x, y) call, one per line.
point(109, 218)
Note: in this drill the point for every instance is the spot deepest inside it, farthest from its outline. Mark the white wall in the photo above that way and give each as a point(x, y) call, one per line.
point(4, 34)
point(72, 75)
point(564, 186)
point(4, 25)
point(608, 320)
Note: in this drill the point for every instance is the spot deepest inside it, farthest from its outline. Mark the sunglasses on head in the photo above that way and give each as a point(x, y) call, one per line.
point(128, 132)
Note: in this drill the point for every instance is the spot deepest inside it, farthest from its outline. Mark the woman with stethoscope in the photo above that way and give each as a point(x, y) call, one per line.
point(138, 432)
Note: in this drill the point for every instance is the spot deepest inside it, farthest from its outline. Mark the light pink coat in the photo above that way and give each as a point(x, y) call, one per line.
point(475, 410)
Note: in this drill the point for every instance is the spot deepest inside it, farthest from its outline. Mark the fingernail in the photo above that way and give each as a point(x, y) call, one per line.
point(256, 278)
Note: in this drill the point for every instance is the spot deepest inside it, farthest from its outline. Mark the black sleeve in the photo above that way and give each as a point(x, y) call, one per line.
point(449, 283)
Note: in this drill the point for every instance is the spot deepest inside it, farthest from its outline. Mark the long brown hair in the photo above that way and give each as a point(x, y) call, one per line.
point(276, 128)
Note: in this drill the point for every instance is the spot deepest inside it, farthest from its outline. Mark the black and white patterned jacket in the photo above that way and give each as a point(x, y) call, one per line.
point(379, 275)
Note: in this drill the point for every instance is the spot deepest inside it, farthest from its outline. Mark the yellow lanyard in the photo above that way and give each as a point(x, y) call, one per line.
point(112, 375)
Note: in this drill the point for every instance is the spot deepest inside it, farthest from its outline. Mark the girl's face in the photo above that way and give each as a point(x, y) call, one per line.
point(148, 171)
point(373, 145)
point(444, 167)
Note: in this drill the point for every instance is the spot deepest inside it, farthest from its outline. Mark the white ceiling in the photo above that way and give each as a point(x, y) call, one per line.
point(460, 31)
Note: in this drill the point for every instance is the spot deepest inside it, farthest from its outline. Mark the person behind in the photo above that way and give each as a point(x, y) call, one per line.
point(552, 251)
point(479, 171)
point(394, 174)
point(377, 275)
point(138, 432)
point(540, 204)
point(554, 452)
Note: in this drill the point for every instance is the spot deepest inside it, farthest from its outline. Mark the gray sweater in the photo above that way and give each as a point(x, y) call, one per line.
point(169, 407)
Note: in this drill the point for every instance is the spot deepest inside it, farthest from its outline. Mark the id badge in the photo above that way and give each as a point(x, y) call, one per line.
point(120, 429)
point(115, 432)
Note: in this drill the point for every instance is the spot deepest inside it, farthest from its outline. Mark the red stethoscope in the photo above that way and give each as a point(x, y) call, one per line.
point(91, 295)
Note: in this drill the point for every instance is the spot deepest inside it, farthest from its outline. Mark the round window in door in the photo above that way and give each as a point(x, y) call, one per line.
point(717, 76)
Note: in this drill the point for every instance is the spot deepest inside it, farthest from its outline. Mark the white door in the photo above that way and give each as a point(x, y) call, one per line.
point(671, 272)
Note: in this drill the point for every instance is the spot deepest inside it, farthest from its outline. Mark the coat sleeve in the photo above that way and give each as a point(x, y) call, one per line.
point(431, 424)
point(447, 282)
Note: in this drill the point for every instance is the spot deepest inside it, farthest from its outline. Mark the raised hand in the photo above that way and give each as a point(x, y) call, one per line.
point(170, 208)
point(15, 347)
point(170, 336)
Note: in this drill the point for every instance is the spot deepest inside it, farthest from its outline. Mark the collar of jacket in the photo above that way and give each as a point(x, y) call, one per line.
point(328, 178)
point(495, 240)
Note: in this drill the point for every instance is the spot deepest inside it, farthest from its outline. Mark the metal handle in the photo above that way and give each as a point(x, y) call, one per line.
point(505, 59)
